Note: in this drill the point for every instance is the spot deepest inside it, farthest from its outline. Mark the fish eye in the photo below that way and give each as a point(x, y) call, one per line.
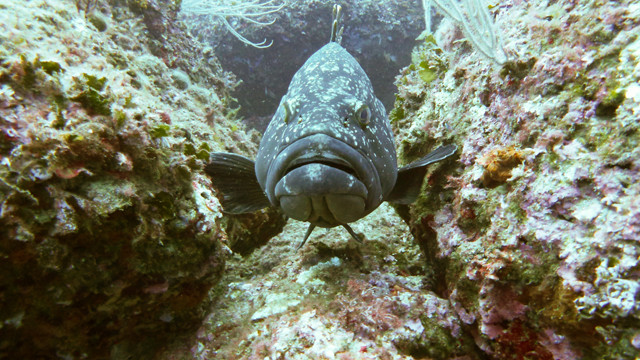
point(290, 109)
point(363, 114)
point(287, 112)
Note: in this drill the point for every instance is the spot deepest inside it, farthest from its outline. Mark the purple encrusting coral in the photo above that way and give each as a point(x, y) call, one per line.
point(527, 246)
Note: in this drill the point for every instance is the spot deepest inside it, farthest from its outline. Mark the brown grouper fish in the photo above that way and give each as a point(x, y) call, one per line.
point(328, 155)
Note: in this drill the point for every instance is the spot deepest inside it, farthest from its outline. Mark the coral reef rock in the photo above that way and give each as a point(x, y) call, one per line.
point(110, 237)
point(535, 235)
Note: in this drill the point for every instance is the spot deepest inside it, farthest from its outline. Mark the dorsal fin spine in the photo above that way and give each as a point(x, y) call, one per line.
point(336, 29)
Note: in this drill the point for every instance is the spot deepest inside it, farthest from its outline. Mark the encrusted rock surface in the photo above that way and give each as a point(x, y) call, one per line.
point(110, 235)
point(332, 299)
point(536, 232)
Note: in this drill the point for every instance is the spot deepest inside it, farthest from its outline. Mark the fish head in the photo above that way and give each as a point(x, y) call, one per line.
point(328, 155)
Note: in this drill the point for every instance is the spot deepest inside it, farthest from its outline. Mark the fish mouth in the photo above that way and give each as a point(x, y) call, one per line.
point(336, 163)
point(323, 180)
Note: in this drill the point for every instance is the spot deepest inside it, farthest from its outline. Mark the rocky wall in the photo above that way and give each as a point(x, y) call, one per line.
point(535, 230)
point(110, 235)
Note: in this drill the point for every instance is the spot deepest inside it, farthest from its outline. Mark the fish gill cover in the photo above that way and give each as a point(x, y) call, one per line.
point(527, 246)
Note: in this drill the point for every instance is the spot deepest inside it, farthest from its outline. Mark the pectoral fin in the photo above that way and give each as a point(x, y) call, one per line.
point(410, 177)
point(234, 178)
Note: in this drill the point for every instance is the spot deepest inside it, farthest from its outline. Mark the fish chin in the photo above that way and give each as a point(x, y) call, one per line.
point(322, 195)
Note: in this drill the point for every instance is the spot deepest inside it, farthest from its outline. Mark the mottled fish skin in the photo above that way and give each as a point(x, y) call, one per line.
point(329, 116)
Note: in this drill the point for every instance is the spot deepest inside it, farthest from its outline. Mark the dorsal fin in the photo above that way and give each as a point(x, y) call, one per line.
point(336, 28)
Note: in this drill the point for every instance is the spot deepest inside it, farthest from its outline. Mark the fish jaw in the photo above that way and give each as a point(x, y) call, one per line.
point(322, 195)
point(323, 175)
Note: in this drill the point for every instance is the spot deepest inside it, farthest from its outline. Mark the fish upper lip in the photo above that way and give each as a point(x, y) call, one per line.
point(339, 159)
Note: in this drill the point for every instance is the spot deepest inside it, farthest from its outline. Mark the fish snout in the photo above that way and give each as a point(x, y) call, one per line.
point(323, 193)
